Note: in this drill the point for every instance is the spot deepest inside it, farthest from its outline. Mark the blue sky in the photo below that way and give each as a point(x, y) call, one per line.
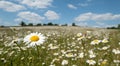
point(94, 13)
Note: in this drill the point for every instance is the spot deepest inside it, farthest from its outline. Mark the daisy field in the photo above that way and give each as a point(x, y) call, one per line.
point(59, 46)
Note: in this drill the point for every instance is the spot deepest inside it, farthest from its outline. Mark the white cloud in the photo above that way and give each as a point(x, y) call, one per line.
point(37, 3)
point(51, 15)
point(97, 17)
point(10, 7)
point(83, 17)
point(86, 3)
point(72, 6)
point(29, 16)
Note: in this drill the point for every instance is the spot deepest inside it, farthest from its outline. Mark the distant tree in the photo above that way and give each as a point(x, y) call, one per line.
point(118, 26)
point(64, 25)
point(108, 27)
point(73, 24)
point(55, 24)
point(2, 26)
point(30, 24)
point(39, 24)
point(50, 24)
point(113, 27)
point(44, 24)
point(22, 23)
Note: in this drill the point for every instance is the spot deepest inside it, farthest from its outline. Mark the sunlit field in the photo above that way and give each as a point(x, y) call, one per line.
point(59, 46)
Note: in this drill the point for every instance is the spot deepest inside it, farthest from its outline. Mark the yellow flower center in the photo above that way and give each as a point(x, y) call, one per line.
point(96, 40)
point(34, 38)
point(91, 61)
point(104, 62)
point(105, 41)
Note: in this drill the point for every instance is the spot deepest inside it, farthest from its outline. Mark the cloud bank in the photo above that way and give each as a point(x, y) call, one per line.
point(51, 15)
point(37, 3)
point(72, 6)
point(29, 16)
point(10, 7)
point(96, 17)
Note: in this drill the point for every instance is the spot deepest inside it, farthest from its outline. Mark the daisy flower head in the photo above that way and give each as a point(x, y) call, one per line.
point(104, 62)
point(91, 62)
point(64, 62)
point(95, 42)
point(34, 39)
point(119, 43)
point(79, 34)
point(70, 55)
point(81, 55)
point(105, 41)
point(89, 32)
point(116, 51)
point(80, 38)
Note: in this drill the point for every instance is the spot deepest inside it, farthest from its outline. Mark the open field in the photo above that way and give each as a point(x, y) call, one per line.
point(62, 46)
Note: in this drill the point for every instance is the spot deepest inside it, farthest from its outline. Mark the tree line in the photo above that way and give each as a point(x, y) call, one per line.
point(113, 27)
point(48, 24)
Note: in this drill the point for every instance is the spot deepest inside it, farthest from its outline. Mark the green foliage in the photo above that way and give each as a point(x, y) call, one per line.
point(50, 24)
point(22, 23)
point(64, 25)
point(39, 24)
point(2, 26)
point(30, 24)
point(56, 25)
point(44, 24)
point(73, 24)
point(118, 27)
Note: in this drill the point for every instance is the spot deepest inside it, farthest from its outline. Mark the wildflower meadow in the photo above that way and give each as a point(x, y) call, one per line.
point(59, 46)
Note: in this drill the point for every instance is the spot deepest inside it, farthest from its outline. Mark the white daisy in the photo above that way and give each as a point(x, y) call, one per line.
point(105, 47)
point(95, 42)
point(34, 39)
point(89, 32)
point(79, 34)
point(119, 43)
point(81, 37)
point(64, 62)
point(92, 55)
point(105, 41)
point(116, 51)
point(69, 55)
point(91, 62)
point(81, 55)
point(116, 61)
